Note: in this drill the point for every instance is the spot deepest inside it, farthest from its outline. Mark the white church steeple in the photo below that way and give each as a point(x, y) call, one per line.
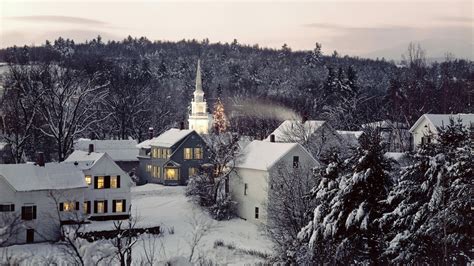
point(199, 119)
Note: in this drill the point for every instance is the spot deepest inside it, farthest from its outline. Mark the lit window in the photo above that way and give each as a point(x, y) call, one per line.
point(156, 172)
point(100, 207)
point(86, 207)
point(100, 182)
point(119, 206)
point(155, 152)
point(188, 153)
point(198, 153)
point(67, 206)
point(192, 171)
point(88, 179)
point(149, 168)
point(168, 153)
point(171, 173)
point(114, 182)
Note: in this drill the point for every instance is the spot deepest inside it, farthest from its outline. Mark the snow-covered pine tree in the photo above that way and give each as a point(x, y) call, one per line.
point(430, 220)
point(345, 226)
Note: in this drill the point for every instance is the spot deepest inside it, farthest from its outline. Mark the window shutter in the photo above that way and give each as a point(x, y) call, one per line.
point(114, 208)
point(23, 213)
point(77, 205)
point(107, 181)
point(124, 203)
point(96, 182)
point(34, 212)
point(88, 207)
point(105, 203)
point(118, 181)
point(95, 206)
point(61, 206)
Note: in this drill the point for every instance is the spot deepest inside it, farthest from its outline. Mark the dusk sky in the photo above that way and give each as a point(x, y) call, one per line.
point(362, 28)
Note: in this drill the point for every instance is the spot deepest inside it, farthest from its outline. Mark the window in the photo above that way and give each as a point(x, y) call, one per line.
point(119, 205)
point(156, 172)
point(171, 173)
point(155, 152)
point(88, 179)
point(425, 140)
point(188, 153)
point(67, 206)
point(115, 181)
point(100, 206)
point(296, 161)
point(256, 212)
point(149, 168)
point(168, 153)
point(198, 153)
point(246, 186)
point(86, 207)
point(30, 235)
point(7, 207)
point(192, 171)
point(100, 182)
point(28, 212)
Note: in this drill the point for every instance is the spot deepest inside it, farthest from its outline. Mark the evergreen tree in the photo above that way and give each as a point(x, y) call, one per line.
point(219, 117)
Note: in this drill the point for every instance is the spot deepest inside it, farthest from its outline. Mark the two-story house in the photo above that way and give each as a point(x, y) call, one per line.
point(36, 198)
point(259, 160)
point(172, 157)
point(108, 193)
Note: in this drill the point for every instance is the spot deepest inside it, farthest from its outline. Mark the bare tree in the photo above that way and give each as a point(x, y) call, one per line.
point(415, 56)
point(125, 239)
point(10, 225)
point(200, 227)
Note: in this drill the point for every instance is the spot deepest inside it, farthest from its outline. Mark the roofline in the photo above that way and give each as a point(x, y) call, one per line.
point(417, 123)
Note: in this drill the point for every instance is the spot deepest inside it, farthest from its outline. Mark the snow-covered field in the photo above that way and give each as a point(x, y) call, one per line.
point(168, 207)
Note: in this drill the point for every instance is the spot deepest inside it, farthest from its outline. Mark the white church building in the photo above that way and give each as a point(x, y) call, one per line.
point(199, 119)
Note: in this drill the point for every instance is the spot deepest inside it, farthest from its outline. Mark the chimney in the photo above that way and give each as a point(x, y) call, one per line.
point(272, 138)
point(150, 133)
point(181, 125)
point(91, 148)
point(304, 118)
point(40, 159)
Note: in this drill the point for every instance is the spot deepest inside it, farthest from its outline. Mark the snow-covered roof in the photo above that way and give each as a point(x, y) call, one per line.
point(167, 139)
point(119, 150)
point(351, 137)
point(262, 155)
point(439, 120)
point(84, 159)
point(385, 124)
point(295, 130)
point(30, 177)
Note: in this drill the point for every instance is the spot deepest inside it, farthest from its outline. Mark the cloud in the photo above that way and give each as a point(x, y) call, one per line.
point(58, 19)
point(456, 19)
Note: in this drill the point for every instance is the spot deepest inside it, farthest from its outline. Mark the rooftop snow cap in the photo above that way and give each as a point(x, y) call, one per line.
point(91, 148)
point(150, 133)
point(40, 159)
point(272, 138)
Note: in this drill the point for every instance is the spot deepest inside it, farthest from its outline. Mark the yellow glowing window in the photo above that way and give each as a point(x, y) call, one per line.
point(171, 173)
point(198, 153)
point(100, 182)
point(168, 153)
point(88, 179)
point(85, 207)
point(100, 207)
point(68, 206)
point(119, 206)
point(149, 168)
point(156, 172)
point(188, 153)
point(113, 182)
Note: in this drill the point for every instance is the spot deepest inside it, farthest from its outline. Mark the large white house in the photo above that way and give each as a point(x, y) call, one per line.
point(425, 129)
point(199, 119)
point(249, 184)
point(316, 135)
point(108, 193)
point(36, 199)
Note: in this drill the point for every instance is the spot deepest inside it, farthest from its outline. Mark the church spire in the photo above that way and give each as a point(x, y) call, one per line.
point(198, 78)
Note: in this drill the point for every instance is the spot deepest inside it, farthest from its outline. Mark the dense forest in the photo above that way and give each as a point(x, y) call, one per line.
point(60, 91)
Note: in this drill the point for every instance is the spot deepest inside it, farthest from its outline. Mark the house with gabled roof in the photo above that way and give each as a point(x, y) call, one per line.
point(38, 197)
point(108, 187)
point(124, 152)
point(394, 134)
point(259, 160)
point(317, 136)
point(425, 129)
point(172, 157)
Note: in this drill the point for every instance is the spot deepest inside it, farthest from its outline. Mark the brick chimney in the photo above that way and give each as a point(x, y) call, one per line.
point(40, 159)
point(150, 133)
point(91, 148)
point(272, 138)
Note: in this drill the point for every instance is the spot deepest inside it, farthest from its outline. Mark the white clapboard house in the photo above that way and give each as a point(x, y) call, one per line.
point(425, 129)
point(108, 193)
point(36, 198)
point(249, 184)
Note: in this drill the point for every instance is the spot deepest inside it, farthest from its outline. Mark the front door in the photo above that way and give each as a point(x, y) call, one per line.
point(172, 174)
point(30, 235)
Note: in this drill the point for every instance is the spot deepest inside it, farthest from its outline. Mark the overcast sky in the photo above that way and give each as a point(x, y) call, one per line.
point(363, 28)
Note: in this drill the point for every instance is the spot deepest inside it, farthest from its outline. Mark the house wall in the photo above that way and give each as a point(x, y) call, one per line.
point(423, 129)
point(324, 140)
point(46, 224)
point(128, 166)
point(106, 167)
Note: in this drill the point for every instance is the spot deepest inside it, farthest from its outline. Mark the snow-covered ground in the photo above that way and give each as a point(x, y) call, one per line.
point(168, 207)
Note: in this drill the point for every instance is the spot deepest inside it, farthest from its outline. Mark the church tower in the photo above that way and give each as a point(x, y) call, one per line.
point(199, 119)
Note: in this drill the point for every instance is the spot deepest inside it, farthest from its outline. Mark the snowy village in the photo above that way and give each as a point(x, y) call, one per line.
point(162, 151)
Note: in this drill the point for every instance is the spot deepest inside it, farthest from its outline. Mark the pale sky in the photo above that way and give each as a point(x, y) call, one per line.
point(359, 28)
